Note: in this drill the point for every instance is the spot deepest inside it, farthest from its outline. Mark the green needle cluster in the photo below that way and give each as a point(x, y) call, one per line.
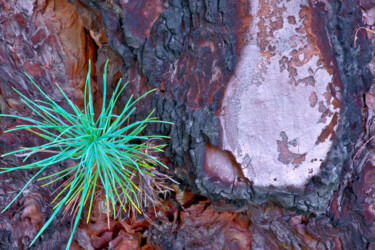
point(109, 152)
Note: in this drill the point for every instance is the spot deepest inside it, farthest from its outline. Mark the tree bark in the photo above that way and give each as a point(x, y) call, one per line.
point(272, 108)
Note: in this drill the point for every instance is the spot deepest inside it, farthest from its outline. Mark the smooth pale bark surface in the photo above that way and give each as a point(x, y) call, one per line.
point(281, 107)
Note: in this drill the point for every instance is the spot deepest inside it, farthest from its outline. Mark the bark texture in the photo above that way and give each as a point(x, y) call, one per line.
point(189, 51)
point(203, 57)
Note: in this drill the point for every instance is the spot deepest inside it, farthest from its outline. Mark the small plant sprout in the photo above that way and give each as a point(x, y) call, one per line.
point(110, 153)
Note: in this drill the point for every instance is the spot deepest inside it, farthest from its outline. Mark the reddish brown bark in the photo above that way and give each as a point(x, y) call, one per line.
point(191, 51)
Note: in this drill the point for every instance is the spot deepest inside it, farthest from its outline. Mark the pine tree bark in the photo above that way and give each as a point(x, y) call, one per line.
point(271, 103)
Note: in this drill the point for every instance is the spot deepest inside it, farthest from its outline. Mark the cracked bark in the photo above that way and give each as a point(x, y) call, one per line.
point(192, 52)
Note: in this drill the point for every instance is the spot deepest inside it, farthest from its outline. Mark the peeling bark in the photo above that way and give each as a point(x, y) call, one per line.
point(203, 57)
point(46, 40)
point(192, 53)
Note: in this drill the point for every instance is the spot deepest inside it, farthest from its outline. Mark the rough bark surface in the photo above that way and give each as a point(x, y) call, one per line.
point(191, 50)
point(196, 54)
point(47, 40)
